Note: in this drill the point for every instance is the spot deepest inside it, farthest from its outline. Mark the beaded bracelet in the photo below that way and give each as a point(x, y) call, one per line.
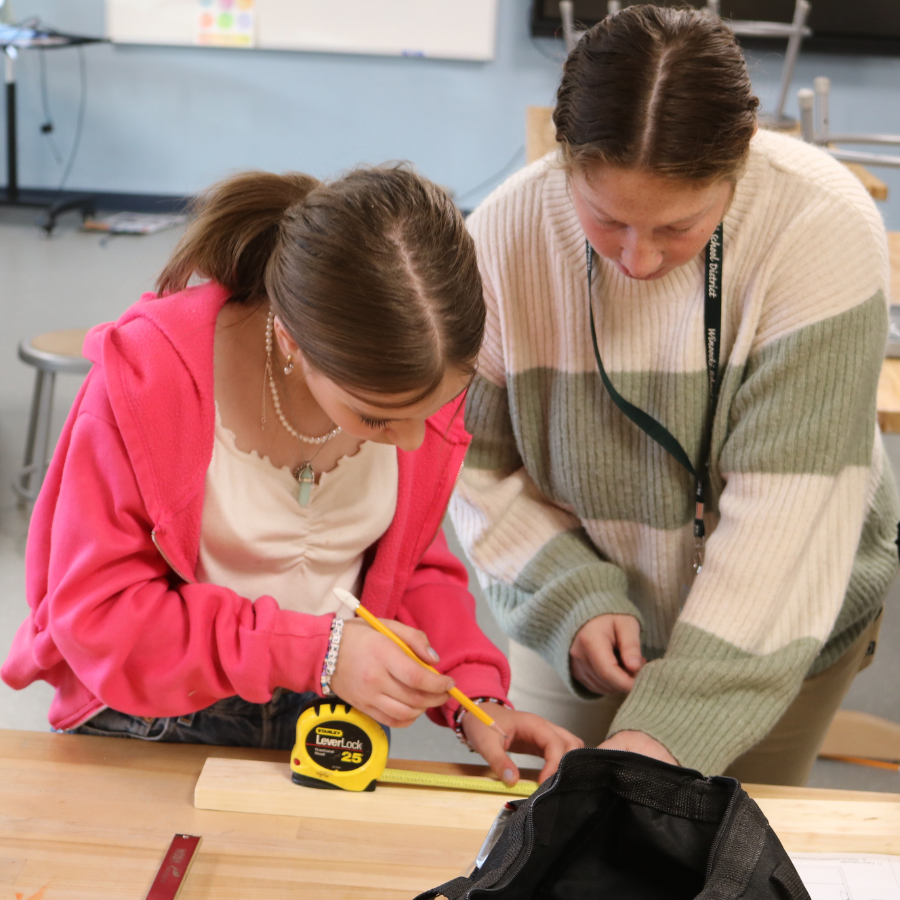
point(334, 644)
point(460, 713)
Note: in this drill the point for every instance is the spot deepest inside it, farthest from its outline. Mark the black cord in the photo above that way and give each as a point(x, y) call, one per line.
point(79, 126)
point(500, 173)
point(47, 127)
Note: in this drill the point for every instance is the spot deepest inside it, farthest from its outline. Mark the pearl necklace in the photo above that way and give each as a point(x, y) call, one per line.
point(304, 474)
point(276, 400)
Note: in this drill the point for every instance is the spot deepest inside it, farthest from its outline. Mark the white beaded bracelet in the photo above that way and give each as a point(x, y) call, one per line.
point(334, 644)
point(460, 713)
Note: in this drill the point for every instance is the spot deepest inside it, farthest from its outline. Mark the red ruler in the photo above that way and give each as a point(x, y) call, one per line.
point(175, 867)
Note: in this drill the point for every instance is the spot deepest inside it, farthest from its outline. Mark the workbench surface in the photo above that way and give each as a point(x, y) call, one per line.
point(90, 818)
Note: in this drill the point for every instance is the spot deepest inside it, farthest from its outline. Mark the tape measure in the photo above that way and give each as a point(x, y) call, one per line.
point(339, 747)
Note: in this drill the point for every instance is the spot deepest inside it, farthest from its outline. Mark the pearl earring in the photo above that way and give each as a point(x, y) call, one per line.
point(290, 365)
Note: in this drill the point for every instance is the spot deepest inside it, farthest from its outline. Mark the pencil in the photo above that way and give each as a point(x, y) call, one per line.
point(863, 761)
point(350, 601)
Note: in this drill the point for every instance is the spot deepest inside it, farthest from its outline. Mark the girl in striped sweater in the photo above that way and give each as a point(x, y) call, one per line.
point(680, 308)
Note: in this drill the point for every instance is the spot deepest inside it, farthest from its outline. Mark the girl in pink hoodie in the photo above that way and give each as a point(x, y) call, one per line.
point(242, 447)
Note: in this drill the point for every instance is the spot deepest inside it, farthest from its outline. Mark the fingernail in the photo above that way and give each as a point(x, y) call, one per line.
point(433, 654)
point(509, 777)
point(451, 685)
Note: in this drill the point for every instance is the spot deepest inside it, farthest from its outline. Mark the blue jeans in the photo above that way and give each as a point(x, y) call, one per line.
point(231, 722)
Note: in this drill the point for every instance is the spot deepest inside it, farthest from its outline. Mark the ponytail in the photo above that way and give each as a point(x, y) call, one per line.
point(234, 231)
point(373, 275)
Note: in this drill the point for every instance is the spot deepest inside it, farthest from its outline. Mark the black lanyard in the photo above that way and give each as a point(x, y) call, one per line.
point(712, 314)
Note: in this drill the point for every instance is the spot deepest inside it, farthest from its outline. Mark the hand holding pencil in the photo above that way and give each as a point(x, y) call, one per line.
point(381, 671)
point(380, 679)
point(469, 705)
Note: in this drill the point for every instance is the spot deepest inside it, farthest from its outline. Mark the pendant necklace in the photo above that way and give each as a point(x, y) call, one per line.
point(306, 480)
point(306, 477)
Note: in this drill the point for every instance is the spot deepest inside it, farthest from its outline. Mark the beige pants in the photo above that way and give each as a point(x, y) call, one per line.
point(784, 756)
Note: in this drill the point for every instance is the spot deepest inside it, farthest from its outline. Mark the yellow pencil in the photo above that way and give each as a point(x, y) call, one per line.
point(349, 600)
point(863, 761)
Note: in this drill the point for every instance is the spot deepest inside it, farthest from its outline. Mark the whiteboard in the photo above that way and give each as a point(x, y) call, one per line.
point(445, 29)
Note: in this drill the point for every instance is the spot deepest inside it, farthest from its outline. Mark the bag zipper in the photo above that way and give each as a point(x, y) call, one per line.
point(525, 853)
point(527, 842)
point(719, 834)
point(168, 561)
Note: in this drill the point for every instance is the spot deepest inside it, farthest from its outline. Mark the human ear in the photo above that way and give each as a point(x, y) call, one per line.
point(290, 349)
point(286, 343)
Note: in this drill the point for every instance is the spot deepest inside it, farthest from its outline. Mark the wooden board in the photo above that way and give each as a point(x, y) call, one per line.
point(241, 785)
point(854, 733)
point(540, 132)
point(854, 825)
point(889, 396)
point(877, 189)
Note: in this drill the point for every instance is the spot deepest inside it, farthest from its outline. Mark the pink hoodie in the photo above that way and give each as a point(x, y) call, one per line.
point(117, 618)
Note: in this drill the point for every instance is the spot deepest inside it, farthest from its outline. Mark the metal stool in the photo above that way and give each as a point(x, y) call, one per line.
point(50, 353)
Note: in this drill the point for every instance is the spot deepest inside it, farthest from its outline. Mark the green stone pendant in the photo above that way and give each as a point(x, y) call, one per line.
point(306, 479)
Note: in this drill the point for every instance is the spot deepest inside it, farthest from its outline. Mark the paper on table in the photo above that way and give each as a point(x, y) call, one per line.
point(849, 876)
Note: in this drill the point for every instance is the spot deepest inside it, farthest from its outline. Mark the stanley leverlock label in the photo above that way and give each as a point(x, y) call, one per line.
point(340, 746)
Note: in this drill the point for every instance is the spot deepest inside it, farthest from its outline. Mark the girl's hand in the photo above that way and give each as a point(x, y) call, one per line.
point(373, 674)
point(606, 654)
point(526, 733)
point(638, 742)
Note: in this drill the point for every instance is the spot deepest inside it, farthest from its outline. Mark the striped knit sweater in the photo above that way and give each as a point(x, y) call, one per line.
point(569, 511)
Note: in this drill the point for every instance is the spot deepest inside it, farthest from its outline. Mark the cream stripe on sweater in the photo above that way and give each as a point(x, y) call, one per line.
point(569, 511)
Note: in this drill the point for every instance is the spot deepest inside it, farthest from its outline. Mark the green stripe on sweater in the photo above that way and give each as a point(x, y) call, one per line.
point(807, 402)
point(874, 568)
point(796, 408)
point(704, 679)
point(578, 447)
point(565, 584)
point(487, 419)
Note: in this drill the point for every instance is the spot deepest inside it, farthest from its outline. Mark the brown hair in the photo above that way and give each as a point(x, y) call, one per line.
point(656, 88)
point(374, 275)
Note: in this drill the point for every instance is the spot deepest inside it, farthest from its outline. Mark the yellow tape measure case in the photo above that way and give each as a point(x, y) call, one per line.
point(338, 747)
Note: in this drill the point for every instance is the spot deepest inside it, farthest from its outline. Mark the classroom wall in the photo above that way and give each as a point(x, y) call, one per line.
point(166, 120)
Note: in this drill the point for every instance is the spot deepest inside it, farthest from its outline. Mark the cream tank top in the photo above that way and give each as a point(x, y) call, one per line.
point(257, 540)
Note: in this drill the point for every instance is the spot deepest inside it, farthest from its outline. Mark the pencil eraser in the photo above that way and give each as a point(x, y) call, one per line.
point(346, 597)
point(175, 867)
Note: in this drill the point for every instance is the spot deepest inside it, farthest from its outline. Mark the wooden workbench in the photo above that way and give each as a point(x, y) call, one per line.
point(85, 818)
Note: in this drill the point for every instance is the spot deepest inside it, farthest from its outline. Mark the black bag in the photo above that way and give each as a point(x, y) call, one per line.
point(621, 826)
